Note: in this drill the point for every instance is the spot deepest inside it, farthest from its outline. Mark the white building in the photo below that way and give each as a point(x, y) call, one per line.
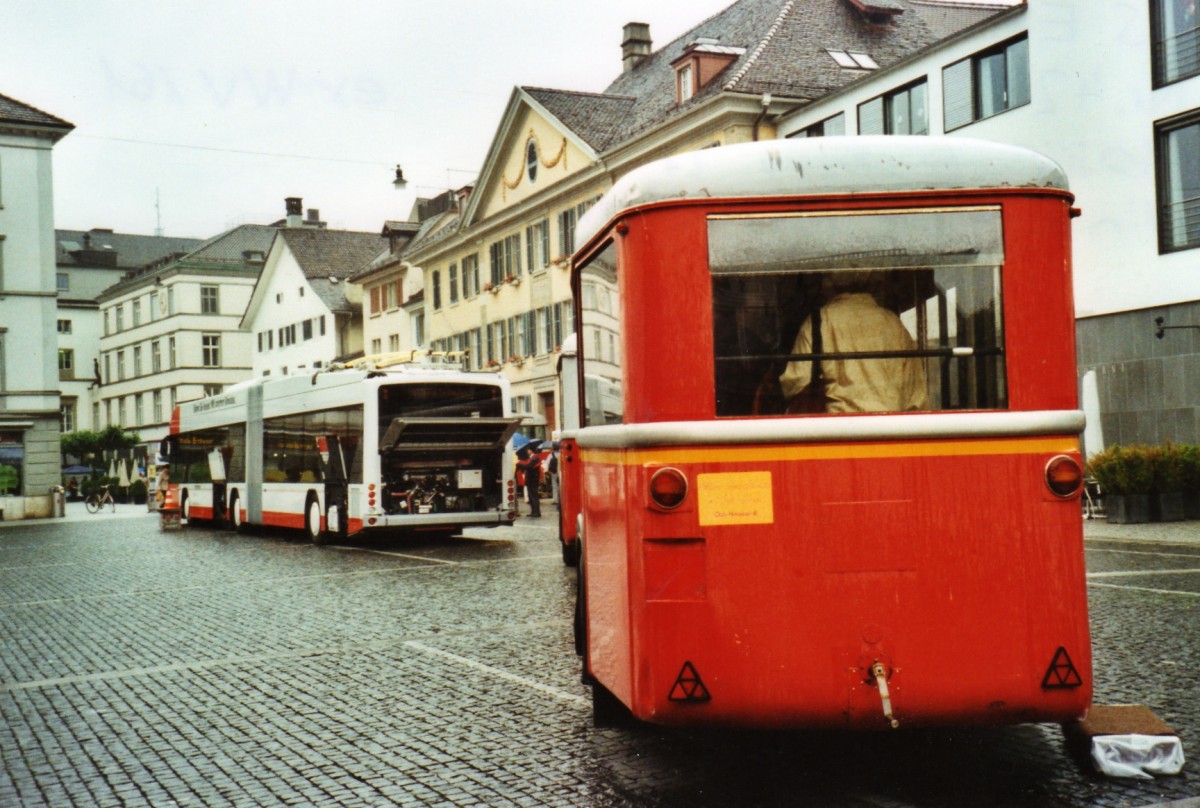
point(1113, 95)
point(171, 333)
point(88, 262)
point(30, 461)
point(303, 314)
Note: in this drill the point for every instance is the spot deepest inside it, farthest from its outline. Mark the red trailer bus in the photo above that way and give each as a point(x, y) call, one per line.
point(840, 485)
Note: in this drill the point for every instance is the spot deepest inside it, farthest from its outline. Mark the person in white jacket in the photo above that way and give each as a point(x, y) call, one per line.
point(852, 321)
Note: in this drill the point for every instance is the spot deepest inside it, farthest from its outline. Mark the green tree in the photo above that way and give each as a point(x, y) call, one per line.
point(88, 445)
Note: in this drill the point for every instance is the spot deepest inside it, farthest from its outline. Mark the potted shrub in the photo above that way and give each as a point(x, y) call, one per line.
point(1166, 504)
point(1190, 457)
point(1126, 479)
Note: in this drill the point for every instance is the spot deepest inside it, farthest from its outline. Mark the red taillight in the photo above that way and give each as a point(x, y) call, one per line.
point(668, 488)
point(1064, 476)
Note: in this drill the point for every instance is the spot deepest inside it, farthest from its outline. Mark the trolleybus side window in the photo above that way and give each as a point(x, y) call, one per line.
point(599, 342)
point(191, 460)
point(908, 302)
point(290, 449)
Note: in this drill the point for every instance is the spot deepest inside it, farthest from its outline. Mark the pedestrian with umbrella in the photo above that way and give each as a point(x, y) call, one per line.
point(529, 465)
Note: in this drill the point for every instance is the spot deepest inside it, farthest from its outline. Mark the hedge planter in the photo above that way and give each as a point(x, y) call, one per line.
point(1167, 507)
point(1191, 504)
point(1127, 509)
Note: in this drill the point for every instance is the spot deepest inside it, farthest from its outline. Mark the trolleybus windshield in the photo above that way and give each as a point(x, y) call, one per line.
point(908, 303)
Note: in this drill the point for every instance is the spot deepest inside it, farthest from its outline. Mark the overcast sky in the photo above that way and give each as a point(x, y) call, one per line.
point(221, 108)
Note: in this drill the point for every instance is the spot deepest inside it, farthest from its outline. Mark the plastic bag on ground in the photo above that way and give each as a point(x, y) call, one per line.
point(1137, 756)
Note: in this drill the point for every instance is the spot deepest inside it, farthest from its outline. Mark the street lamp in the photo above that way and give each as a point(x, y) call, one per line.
point(1160, 329)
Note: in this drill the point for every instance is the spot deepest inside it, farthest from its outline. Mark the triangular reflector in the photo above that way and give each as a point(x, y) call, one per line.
point(688, 685)
point(1061, 674)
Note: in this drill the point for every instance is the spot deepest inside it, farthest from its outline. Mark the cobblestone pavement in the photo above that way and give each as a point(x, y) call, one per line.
point(205, 668)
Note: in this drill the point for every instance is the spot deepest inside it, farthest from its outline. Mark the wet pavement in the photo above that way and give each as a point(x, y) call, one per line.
point(201, 667)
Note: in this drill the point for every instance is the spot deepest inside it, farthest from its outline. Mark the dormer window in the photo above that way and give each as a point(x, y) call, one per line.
point(700, 63)
point(686, 83)
point(878, 12)
point(853, 60)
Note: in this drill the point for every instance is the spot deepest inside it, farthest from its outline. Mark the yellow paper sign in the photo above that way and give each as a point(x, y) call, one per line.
point(735, 498)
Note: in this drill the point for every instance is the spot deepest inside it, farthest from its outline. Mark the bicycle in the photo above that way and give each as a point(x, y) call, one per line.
point(95, 502)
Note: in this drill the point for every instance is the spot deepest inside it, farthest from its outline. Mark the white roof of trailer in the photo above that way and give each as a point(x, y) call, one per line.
point(825, 166)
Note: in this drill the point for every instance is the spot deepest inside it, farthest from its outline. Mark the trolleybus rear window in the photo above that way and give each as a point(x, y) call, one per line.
point(908, 304)
point(439, 400)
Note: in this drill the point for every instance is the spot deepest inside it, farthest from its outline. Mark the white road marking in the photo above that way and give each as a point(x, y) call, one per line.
point(1136, 573)
point(1148, 589)
point(502, 674)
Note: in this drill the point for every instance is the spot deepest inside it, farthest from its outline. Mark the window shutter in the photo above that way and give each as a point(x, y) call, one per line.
point(958, 92)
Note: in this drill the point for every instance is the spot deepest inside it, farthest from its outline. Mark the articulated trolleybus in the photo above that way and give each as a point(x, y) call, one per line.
point(841, 488)
point(423, 446)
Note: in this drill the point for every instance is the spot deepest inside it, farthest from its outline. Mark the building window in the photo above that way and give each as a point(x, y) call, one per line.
point(170, 300)
point(107, 330)
point(139, 412)
point(394, 343)
point(531, 160)
point(171, 353)
point(64, 282)
point(108, 369)
point(213, 389)
point(306, 329)
point(121, 369)
point(566, 232)
point(1177, 146)
point(376, 347)
point(853, 60)
point(154, 304)
point(988, 83)
point(158, 413)
point(452, 273)
point(835, 125)
point(66, 363)
point(470, 275)
point(537, 245)
point(901, 112)
point(211, 350)
point(155, 356)
point(1176, 40)
point(418, 329)
point(137, 313)
point(120, 318)
point(12, 461)
point(685, 83)
point(137, 361)
point(64, 326)
point(209, 301)
point(66, 415)
point(436, 280)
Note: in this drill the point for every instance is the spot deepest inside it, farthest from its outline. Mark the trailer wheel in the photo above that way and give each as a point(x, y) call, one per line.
point(312, 521)
point(184, 507)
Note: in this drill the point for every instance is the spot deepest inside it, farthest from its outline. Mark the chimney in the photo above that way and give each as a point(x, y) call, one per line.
point(294, 206)
point(314, 219)
point(636, 45)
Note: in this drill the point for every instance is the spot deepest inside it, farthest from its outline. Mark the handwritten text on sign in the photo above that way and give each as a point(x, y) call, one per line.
point(735, 498)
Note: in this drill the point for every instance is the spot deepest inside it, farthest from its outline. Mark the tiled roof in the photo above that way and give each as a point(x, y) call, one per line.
point(232, 245)
point(329, 257)
point(786, 44)
point(133, 251)
point(13, 111)
point(598, 119)
point(339, 253)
